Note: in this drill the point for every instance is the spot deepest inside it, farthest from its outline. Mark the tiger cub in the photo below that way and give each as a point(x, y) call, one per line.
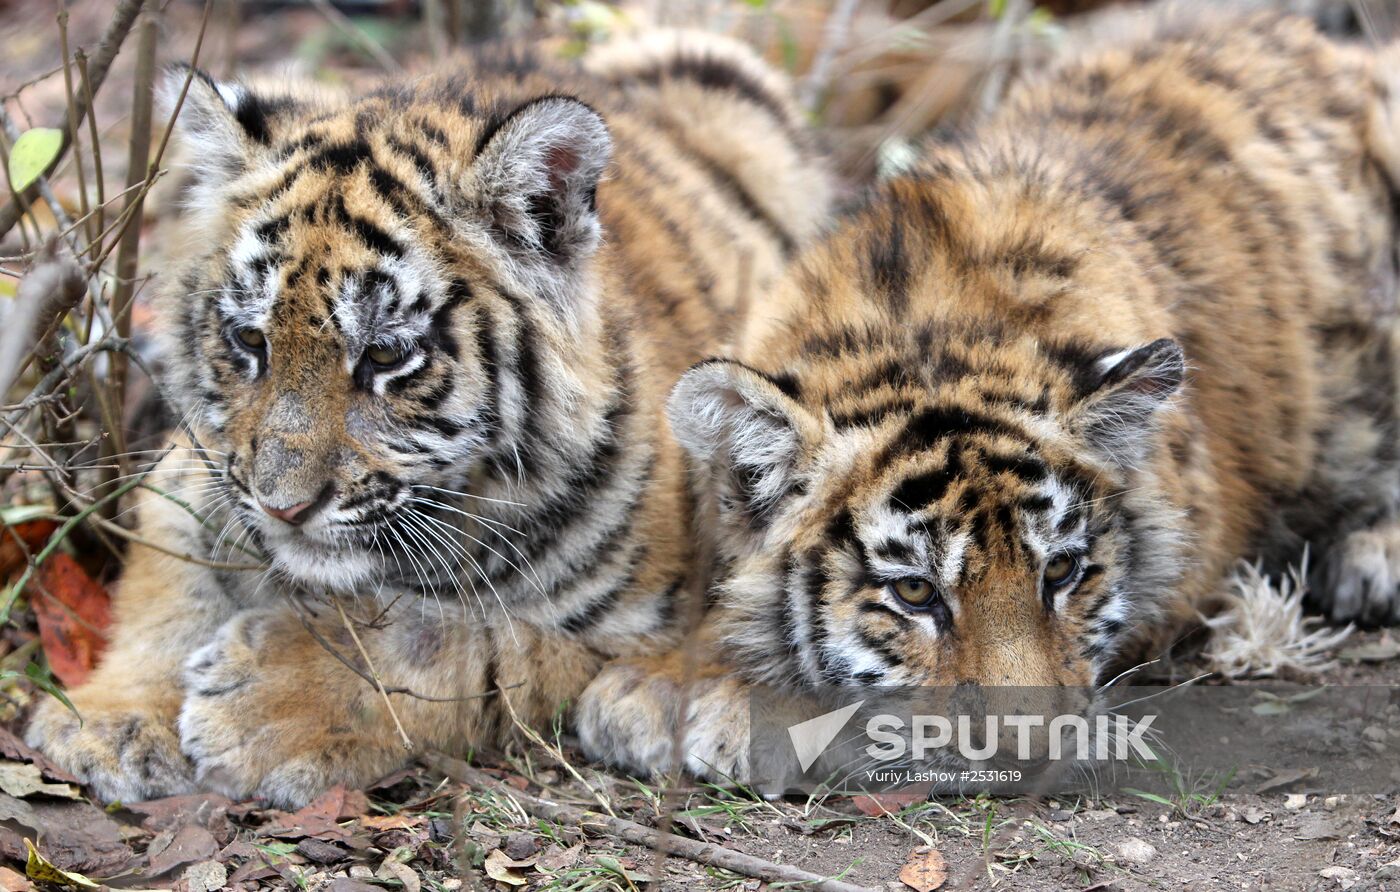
point(421, 339)
point(1013, 421)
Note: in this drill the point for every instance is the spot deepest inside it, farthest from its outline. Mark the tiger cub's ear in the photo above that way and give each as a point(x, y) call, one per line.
point(740, 422)
point(536, 178)
point(1128, 389)
point(226, 127)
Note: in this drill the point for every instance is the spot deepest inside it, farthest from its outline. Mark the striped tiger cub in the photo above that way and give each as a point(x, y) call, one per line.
point(1014, 421)
point(421, 340)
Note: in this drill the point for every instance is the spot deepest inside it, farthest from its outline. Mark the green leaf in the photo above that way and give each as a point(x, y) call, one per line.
point(31, 155)
point(43, 680)
point(14, 515)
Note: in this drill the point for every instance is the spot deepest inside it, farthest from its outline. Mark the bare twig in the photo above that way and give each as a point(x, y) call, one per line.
point(374, 677)
point(123, 17)
point(636, 834)
point(834, 36)
point(320, 639)
point(129, 244)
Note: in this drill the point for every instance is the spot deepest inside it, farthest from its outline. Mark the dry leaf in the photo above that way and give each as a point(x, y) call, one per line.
point(925, 870)
point(876, 805)
point(1286, 779)
point(502, 869)
point(38, 868)
point(1378, 651)
point(33, 533)
point(556, 859)
point(177, 847)
point(74, 613)
point(21, 780)
point(401, 872)
point(392, 822)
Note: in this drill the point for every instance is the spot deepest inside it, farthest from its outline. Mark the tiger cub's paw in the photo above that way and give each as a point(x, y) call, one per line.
point(121, 755)
point(629, 714)
point(1359, 580)
point(263, 720)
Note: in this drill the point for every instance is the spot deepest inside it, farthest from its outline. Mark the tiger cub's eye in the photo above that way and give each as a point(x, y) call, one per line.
point(913, 591)
point(1060, 569)
point(385, 356)
point(252, 338)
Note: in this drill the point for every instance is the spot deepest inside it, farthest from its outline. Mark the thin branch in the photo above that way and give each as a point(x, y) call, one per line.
point(636, 834)
point(123, 17)
point(374, 676)
point(834, 35)
point(300, 611)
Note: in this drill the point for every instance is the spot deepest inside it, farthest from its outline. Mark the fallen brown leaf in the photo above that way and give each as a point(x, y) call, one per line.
point(14, 748)
point(22, 780)
point(925, 870)
point(177, 847)
point(502, 869)
point(33, 533)
point(12, 882)
point(555, 859)
point(78, 836)
point(876, 805)
point(73, 613)
point(392, 822)
point(1378, 651)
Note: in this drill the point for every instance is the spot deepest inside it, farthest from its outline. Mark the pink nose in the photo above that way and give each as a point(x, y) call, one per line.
point(293, 514)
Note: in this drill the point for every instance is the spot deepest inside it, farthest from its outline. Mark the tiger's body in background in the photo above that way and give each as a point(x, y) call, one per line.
point(423, 338)
point(1014, 422)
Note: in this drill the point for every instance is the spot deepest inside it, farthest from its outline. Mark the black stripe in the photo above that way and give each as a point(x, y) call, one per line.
point(723, 179)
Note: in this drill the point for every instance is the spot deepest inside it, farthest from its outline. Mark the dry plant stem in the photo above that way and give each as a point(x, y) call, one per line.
point(72, 112)
point(95, 243)
point(123, 17)
point(300, 611)
point(557, 755)
point(834, 36)
point(374, 676)
point(128, 535)
point(128, 252)
point(636, 834)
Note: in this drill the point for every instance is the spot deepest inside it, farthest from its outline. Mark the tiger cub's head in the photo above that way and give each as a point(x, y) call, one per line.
point(373, 294)
point(934, 504)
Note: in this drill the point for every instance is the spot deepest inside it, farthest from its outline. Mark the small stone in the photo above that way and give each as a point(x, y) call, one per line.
point(1060, 816)
point(1345, 876)
point(1254, 815)
point(520, 846)
point(1129, 809)
point(361, 872)
point(1295, 801)
point(320, 851)
point(206, 876)
point(1136, 851)
point(1375, 746)
point(1389, 871)
point(1374, 732)
point(1330, 803)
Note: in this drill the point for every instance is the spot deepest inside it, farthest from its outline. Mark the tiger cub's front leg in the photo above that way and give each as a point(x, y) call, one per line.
point(271, 712)
point(630, 714)
point(122, 743)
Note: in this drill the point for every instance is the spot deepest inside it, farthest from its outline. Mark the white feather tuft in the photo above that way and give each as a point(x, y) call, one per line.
point(1262, 632)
